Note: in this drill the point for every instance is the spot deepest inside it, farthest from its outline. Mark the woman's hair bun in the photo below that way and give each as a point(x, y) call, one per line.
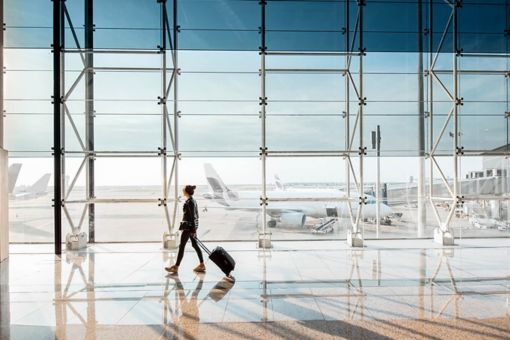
point(190, 189)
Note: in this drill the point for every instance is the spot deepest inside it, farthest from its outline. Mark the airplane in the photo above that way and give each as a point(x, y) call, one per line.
point(481, 222)
point(12, 175)
point(292, 211)
point(38, 189)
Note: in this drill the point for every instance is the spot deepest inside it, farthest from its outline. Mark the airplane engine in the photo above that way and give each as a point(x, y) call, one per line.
point(292, 220)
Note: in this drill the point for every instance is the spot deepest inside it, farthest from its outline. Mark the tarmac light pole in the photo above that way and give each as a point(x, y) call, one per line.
point(376, 144)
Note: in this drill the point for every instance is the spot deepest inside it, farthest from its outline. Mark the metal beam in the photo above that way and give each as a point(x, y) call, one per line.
point(106, 51)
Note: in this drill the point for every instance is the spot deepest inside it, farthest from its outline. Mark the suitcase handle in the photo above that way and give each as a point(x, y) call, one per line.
point(202, 246)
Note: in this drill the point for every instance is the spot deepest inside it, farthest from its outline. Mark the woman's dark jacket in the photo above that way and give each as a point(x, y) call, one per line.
point(190, 216)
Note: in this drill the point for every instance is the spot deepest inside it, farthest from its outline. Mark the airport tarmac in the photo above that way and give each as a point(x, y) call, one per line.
point(32, 221)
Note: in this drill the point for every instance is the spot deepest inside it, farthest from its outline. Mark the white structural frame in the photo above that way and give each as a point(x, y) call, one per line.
point(169, 127)
point(352, 149)
point(355, 148)
point(455, 199)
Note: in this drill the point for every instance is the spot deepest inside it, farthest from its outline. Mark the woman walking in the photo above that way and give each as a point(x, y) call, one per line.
point(188, 227)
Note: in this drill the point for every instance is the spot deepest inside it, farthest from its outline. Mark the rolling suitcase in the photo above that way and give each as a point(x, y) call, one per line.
point(220, 257)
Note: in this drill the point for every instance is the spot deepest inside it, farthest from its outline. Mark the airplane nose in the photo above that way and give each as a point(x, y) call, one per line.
point(386, 210)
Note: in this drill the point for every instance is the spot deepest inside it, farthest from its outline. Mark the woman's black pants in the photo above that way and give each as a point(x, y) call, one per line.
point(185, 236)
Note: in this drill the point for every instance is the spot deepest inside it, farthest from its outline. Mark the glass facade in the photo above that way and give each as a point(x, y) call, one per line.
point(300, 119)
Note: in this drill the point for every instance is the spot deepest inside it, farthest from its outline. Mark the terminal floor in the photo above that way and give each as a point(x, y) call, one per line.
point(405, 289)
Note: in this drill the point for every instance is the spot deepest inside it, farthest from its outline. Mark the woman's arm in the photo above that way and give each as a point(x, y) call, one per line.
point(191, 216)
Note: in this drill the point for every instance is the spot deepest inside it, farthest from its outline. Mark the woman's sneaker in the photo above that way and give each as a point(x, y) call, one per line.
point(173, 269)
point(200, 268)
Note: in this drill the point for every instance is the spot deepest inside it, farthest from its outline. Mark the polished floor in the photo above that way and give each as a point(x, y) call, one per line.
point(297, 290)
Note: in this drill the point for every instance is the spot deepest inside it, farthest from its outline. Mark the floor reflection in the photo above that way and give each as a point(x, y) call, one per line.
point(182, 317)
point(98, 293)
point(185, 316)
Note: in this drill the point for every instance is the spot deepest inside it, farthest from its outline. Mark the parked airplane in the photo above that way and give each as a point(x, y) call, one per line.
point(13, 174)
point(39, 188)
point(292, 210)
point(481, 222)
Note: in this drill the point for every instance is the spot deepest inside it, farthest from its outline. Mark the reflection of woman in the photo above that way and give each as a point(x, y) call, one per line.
point(188, 227)
point(189, 318)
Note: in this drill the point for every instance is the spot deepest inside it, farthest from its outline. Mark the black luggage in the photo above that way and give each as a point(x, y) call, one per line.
point(220, 257)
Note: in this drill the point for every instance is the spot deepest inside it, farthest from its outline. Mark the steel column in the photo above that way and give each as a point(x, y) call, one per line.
point(354, 237)
point(162, 101)
point(442, 233)
point(165, 126)
point(89, 114)
point(421, 218)
point(362, 103)
point(457, 103)
point(58, 87)
point(176, 114)
point(430, 102)
point(347, 111)
point(263, 103)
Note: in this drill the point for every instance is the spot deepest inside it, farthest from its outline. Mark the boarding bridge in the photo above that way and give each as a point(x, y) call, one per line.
point(492, 189)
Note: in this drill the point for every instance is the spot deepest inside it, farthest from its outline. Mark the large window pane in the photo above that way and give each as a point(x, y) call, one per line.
point(30, 197)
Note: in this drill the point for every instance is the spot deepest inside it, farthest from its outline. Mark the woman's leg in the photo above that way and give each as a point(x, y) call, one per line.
point(197, 249)
point(184, 239)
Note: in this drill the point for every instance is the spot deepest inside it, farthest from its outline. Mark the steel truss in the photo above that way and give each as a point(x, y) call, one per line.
point(454, 198)
point(352, 149)
point(168, 152)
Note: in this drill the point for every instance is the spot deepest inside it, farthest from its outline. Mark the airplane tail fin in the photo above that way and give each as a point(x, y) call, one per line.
point(13, 174)
point(278, 182)
point(41, 186)
point(216, 183)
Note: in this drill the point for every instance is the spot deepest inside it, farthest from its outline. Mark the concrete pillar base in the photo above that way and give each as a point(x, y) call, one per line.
point(354, 239)
point(170, 241)
point(444, 238)
point(76, 241)
point(265, 241)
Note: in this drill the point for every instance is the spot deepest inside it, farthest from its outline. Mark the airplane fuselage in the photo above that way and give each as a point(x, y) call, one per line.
point(317, 203)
